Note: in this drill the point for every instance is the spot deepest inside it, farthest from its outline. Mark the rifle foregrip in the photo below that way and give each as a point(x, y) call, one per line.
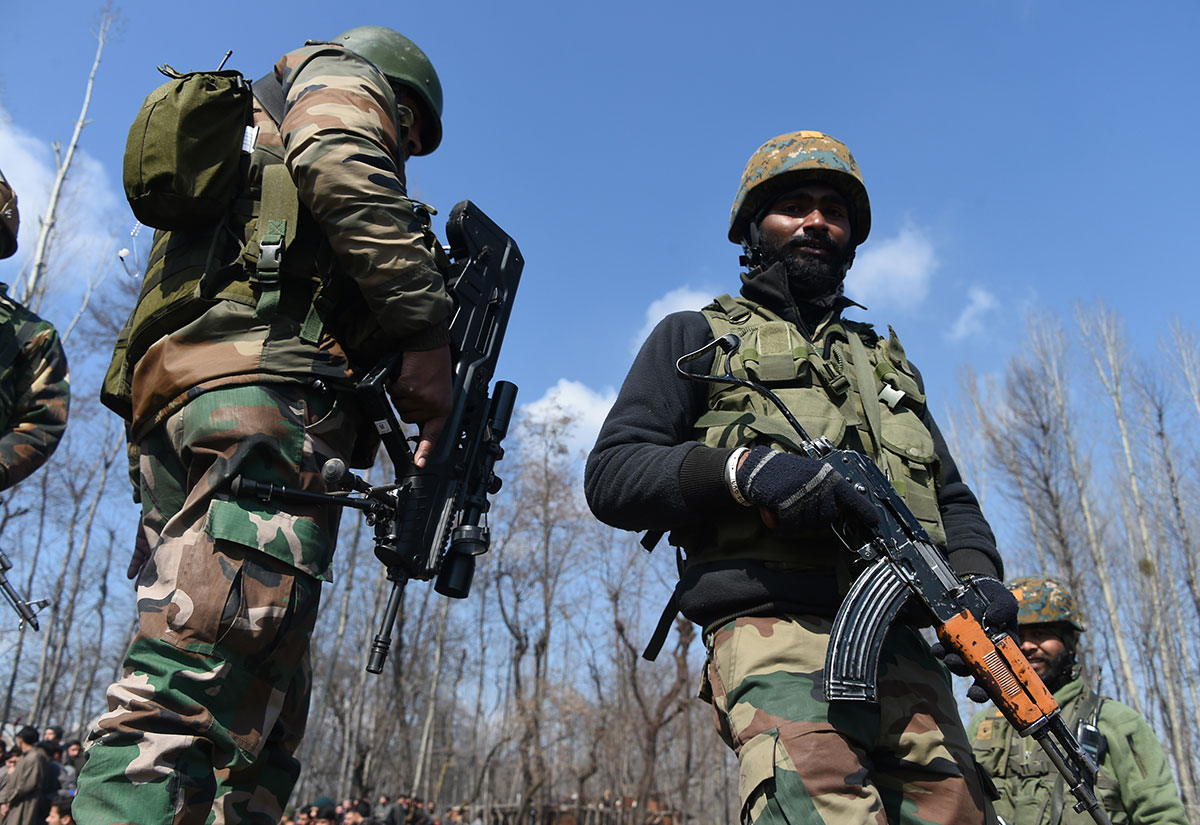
point(1010, 680)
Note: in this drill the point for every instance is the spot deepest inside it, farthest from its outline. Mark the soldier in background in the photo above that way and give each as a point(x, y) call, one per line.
point(1135, 785)
point(256, 380)
point(34, 387)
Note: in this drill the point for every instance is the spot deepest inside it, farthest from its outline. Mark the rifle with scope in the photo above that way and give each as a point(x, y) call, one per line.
point(430, 522)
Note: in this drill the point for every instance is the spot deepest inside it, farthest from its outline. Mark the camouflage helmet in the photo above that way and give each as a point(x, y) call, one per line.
point(1043, 600)
point(10, 218)
point(786, 161)
point(403, 63)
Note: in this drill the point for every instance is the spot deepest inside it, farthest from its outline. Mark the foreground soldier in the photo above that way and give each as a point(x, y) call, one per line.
point(1135, 785)
point(764, 573)
point(34, 391)
point(214, 694)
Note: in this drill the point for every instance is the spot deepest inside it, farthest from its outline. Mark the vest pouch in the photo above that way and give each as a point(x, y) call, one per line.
point(915, 469)
point(182, 165)
point(773, 353)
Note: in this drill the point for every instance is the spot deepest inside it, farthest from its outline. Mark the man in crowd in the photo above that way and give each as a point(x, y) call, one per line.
point(1135, 785)
point(23, 799)
point(356, 813)
point(34, 389)
point(720, 467)
point(326, 815)
point(60, 812)
point(254, 378)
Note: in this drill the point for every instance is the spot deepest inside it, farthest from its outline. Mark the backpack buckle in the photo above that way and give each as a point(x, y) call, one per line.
point(270, 251)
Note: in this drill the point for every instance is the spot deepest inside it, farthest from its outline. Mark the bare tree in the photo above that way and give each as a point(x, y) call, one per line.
point(34, 285)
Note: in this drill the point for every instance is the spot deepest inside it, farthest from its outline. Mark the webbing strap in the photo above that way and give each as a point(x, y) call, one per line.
point(867, 394)
point(736, 312)
point(276, 229)
point(759, 423)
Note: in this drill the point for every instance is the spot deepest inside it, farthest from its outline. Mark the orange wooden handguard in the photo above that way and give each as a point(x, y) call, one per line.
point(1013, 685)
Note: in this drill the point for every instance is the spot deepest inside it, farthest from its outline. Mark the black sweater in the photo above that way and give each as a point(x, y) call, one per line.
point(647, 473)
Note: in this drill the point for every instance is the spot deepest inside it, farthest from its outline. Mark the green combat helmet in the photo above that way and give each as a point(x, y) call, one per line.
point(402, 63)
point(10, 219)
point(787, 160)
point(1043, 600)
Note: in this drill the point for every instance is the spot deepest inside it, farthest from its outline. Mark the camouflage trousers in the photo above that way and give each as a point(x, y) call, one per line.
point(214, 692)
point(804, 760)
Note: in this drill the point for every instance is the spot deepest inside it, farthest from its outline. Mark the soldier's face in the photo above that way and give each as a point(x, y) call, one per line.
point(1045, 650)
point(808, 231)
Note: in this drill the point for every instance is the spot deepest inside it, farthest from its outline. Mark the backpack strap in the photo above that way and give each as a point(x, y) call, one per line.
point(269, 93)
point(276, 229)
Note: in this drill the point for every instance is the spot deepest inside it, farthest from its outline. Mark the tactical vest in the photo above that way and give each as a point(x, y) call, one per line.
point(849, 385)
point(1032, 783)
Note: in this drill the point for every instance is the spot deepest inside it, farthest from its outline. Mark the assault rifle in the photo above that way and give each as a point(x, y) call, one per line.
point(27, 611)
point(897, 561)
point(428, 521)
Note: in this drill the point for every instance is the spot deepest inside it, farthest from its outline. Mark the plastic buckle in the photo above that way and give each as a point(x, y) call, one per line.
point(270, 257)
point(891, 396)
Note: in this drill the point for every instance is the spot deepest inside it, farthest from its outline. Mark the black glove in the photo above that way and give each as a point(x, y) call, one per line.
point(999, 615)
point(803, 492)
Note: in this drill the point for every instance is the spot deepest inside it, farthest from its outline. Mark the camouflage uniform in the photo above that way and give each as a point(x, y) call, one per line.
point(766, 600)
point(212, 702)
point(34, 391)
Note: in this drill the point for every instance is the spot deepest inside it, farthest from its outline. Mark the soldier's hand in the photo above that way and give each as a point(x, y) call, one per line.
point(421, 393)
point(797, 493)
point(141, 552)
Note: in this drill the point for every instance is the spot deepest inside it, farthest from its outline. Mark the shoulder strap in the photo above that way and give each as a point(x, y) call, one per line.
point(276, 230)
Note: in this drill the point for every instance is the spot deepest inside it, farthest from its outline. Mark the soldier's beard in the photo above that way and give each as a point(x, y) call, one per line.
point(1058, 669)
point(809, 277)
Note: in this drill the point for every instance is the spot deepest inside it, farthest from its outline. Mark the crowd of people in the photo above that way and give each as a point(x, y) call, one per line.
point(39, 777)
point(403, 810)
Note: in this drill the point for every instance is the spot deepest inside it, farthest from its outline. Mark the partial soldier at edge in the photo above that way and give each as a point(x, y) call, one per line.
point(1134, 786)
point(34, 381)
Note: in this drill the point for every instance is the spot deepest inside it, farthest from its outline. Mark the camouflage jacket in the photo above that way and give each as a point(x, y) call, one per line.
point(34, 391)
point(1135, 786)
point(341, 137)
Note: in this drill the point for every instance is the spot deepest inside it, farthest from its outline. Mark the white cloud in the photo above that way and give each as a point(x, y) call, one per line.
point(676, 300)
point(980, 302)
point(895, 272)
point(586, 406)
point(90, 206)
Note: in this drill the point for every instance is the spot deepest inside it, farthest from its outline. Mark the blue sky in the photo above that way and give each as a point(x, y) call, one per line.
point(1017, 154)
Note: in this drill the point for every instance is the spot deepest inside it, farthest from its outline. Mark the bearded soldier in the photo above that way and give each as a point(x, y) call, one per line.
point(34, 386)
point(1134, 786)
point(247, 370)
point(763, 572)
